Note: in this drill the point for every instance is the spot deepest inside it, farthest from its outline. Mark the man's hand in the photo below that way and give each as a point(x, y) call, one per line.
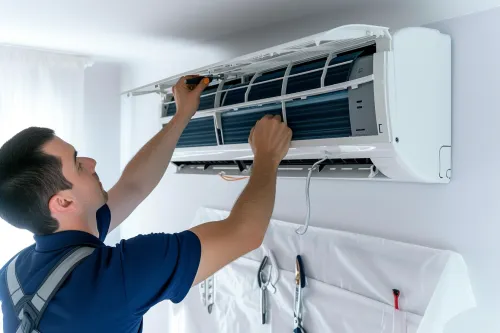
point(187, 97)
point(270, 140)
point(243, 231)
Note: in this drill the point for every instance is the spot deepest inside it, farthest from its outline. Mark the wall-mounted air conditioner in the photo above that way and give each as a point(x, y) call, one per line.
point(377, 104)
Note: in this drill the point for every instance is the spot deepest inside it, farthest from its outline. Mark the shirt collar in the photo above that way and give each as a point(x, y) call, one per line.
point(63, 239)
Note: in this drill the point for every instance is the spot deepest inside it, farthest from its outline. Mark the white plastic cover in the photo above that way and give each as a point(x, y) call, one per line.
point(349, 285)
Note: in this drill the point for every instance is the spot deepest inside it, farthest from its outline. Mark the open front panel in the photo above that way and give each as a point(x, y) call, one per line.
point(299, 92)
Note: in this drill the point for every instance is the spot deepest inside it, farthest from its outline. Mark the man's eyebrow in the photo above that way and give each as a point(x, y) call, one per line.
point(76, 153)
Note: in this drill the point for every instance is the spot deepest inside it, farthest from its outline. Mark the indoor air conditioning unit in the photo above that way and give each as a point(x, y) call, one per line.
point(376, 104)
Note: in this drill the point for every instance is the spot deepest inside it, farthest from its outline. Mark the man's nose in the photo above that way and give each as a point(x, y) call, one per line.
point(91, 164)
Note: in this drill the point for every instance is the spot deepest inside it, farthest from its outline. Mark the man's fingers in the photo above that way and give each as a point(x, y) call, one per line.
point(202, 85)
point(250, 137)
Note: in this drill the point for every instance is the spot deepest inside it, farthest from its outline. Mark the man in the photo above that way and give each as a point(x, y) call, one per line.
point(45, 187)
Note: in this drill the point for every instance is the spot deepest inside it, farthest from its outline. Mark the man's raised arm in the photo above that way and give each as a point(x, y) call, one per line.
point(243, 231)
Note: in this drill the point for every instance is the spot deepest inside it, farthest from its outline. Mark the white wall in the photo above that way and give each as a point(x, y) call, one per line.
point(461, 216)
point(102, 124)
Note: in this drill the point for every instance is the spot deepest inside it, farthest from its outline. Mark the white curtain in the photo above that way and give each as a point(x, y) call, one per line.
point(38, 89)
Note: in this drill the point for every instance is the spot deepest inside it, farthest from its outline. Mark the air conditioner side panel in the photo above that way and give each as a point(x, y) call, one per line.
point(421, 118)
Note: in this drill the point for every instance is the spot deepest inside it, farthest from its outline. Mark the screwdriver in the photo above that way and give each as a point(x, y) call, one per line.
point(197, 80)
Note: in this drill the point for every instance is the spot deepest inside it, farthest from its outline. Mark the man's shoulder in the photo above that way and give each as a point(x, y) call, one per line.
point(21, 255)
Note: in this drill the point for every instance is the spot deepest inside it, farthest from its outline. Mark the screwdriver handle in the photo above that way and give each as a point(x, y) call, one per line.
point(198, 79)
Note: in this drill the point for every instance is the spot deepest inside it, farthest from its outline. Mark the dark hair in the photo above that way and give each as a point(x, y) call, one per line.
point(29, 177)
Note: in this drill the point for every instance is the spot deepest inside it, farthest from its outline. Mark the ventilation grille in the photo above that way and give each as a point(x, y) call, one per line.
point(199, 132)
point(343, 64)
point(306, 81)
point(236, 125)
point(208, 102)
point(245, 164)
point(268, 89)
point(235, 96)
point(320, 117)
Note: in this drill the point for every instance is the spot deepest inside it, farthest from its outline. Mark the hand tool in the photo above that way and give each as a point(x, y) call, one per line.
point(263, 283)
point(196, 80)
point(274, 273)
point(300, 283)
point(396, 293)
point(207, 293)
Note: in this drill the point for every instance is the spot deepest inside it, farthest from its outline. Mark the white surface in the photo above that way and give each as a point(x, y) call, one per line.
point(151, 29)
point(37, 89)
point(461, 216)
point(101, 124)
point(418, 90)
point(350, 278)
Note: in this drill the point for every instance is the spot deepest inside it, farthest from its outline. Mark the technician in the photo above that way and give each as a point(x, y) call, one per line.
point(69, 280)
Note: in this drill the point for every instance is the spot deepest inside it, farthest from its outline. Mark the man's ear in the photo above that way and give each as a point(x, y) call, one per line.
point(61, 203)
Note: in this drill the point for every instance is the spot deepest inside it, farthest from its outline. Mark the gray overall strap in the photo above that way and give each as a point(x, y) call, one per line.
point(15, 290)
point(30, 309)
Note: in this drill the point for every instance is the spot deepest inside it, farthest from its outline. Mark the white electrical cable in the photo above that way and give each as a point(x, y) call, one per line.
point(308, 201)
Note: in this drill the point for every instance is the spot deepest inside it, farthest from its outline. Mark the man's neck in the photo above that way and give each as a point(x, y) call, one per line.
point(79, 223)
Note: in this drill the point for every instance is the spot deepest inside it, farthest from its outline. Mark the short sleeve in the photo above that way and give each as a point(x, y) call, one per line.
point(103, 217)
point(157, 267)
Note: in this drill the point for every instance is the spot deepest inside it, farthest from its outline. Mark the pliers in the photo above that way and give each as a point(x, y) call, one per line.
point(267, 282)
point(300, 283)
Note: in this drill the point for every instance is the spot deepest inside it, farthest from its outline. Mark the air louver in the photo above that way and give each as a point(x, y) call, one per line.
point(236, 125)
point(319, 117)
point(199, 132)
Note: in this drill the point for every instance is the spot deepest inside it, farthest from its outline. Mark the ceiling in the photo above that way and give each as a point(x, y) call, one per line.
point(143, 29)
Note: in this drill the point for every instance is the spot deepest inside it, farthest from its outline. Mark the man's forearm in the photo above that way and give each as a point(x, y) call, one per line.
point(254, 207)
point(148, 166)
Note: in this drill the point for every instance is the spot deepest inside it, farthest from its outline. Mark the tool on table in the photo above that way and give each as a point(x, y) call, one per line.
point(300, 283)
point(196, 80)
point(207, 293)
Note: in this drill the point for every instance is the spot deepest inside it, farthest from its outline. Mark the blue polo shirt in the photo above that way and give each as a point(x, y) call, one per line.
point(110, 290)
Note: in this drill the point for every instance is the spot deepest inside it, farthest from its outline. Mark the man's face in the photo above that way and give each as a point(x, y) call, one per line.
point(87, 194)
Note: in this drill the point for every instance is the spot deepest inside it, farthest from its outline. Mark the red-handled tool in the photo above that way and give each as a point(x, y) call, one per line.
point(396, 293)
